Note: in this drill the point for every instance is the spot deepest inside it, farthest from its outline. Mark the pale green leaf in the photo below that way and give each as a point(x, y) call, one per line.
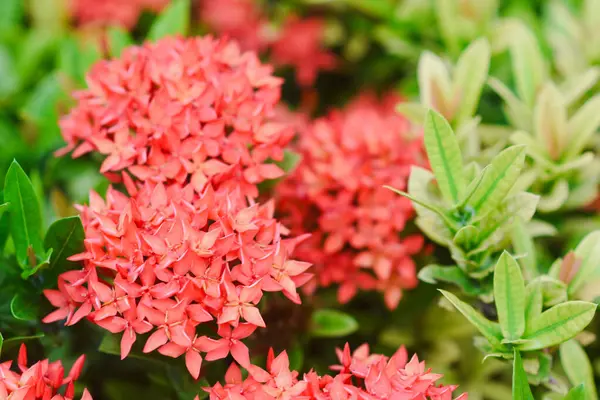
point(519, 114)
point(444, 156)
point(558, 195)
point(582, 126)
point(431, 207)
point(466, 237)
point(578, 85)
point(578, 368)
point(520, 384)
point(470, 75)
point(524, 248)
point(174, 20)
point(558, 324)
point(509, 296)
point(451, 274)
point(576, 393)
point(419, 184)
point(534, 302)
point(550, 121)
point(588, 252)
point(415, 112)
point(498, 180)
point(488, 329)
point(434, 83)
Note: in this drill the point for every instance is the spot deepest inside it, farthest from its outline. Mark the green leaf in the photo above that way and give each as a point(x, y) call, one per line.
point(65, 237)
point(578, 368)
point(509, 296)
point(490, 330)
point(23, 308)
point(9, 73)
point(3, 207)
point(582, 126)
point(435, 90)
point(11, 14)
point(1, 343)
point(521, 389)
point(498, 180)
point(550, 116)
point(588, 252)
point(26, 216)
point(534, 302)
point(558, 324)
point(42, 261)
point(524, 248)
point(118, 40)
point(50, 16)
point(451, 274)
point(289, 162)
point(174, 20)
point(577, 393)
point(469, 77)
point(517, 112)
point(438, 211)
point(444, 156)
point(332, 323)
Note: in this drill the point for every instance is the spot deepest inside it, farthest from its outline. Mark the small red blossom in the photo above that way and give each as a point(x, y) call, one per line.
point(182, 111)
point(337, 194)
point(300, 45)
point(361, 376)
point(43, 380)
point(112, 12)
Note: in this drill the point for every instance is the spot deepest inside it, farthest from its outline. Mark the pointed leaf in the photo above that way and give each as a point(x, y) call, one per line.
point(469, 77)
point(520, 384)
point(582, 126)
point(174, 20)
point(524, 248)
point(435, 209)
point(451, 274)
point(558, 324)
point(490, 330)
point(578, 368)
point(444, 156)
point(550, 116)
point(118, 40)
point(25, 214)
point(577, 393)
point(434, 83)
point(509, 296)
point(3, 207)
point(65, 237)
point(534, 302)
point(24, 308)
point(498, 180)
point(332, 323)
point(588, 252)
point(574, 88)
point(518, 113)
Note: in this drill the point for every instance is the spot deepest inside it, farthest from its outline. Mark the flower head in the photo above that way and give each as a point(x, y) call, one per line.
point(363, 376)
point(107, 12)
point(182, 111)
point(42, 380)
point(337, 193)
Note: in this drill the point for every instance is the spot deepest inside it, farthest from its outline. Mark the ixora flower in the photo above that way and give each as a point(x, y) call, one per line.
point(167, 259)
point(337, 193)
point(107, 12)
point(360, 376)
point(43, 380)
point(182, 110)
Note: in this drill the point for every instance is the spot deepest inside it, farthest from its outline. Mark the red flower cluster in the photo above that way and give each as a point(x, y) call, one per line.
point(42, 380)
point(176, 109)
point(108, 12)
point(360, 376)
point(191, 120)
point(337, 193)
point(297, 43)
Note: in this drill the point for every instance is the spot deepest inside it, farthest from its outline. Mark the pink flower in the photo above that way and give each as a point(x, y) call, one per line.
point(337, 194)
point(108, 12)
point(43, 380)
point(300, 45)
point(362, 376)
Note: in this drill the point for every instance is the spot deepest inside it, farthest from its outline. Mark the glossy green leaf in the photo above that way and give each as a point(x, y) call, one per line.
point(490, 330)
point(1, 343)
point(520, 384)
point(332, 323)
point(558, 324)
point(24, 308)
point(576, 393)
point(509, 296)
point(578, 368)
point(118, 40)
point(498, 180)
point(444, 156)
point(25, 213)
point(450, 274)
point(174, 20)
point(469, 77)
point(65, 237)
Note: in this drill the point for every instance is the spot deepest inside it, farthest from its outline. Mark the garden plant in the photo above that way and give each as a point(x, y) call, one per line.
point(299, 199)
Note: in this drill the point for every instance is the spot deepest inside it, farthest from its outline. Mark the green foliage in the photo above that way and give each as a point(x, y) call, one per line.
point(173, 21)
point(332, 323)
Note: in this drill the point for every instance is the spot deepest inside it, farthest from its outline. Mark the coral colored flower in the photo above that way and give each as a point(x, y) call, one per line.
point(337, 194)
point(109, 12)
point(299, 45)
point(182, 111)
point(168, 259)
point(362, 376)
point(43, 380)
point(241, 20)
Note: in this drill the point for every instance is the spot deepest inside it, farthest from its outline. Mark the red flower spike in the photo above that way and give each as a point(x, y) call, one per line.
point(347, 158)
point(43, 380)
point(380, 377)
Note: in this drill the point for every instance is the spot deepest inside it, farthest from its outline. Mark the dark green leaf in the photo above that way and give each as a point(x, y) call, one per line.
point(26, 217)
point(174, 20)
point(521, 389)
point(24, 308)
point(332, 323)
point(65, 237)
